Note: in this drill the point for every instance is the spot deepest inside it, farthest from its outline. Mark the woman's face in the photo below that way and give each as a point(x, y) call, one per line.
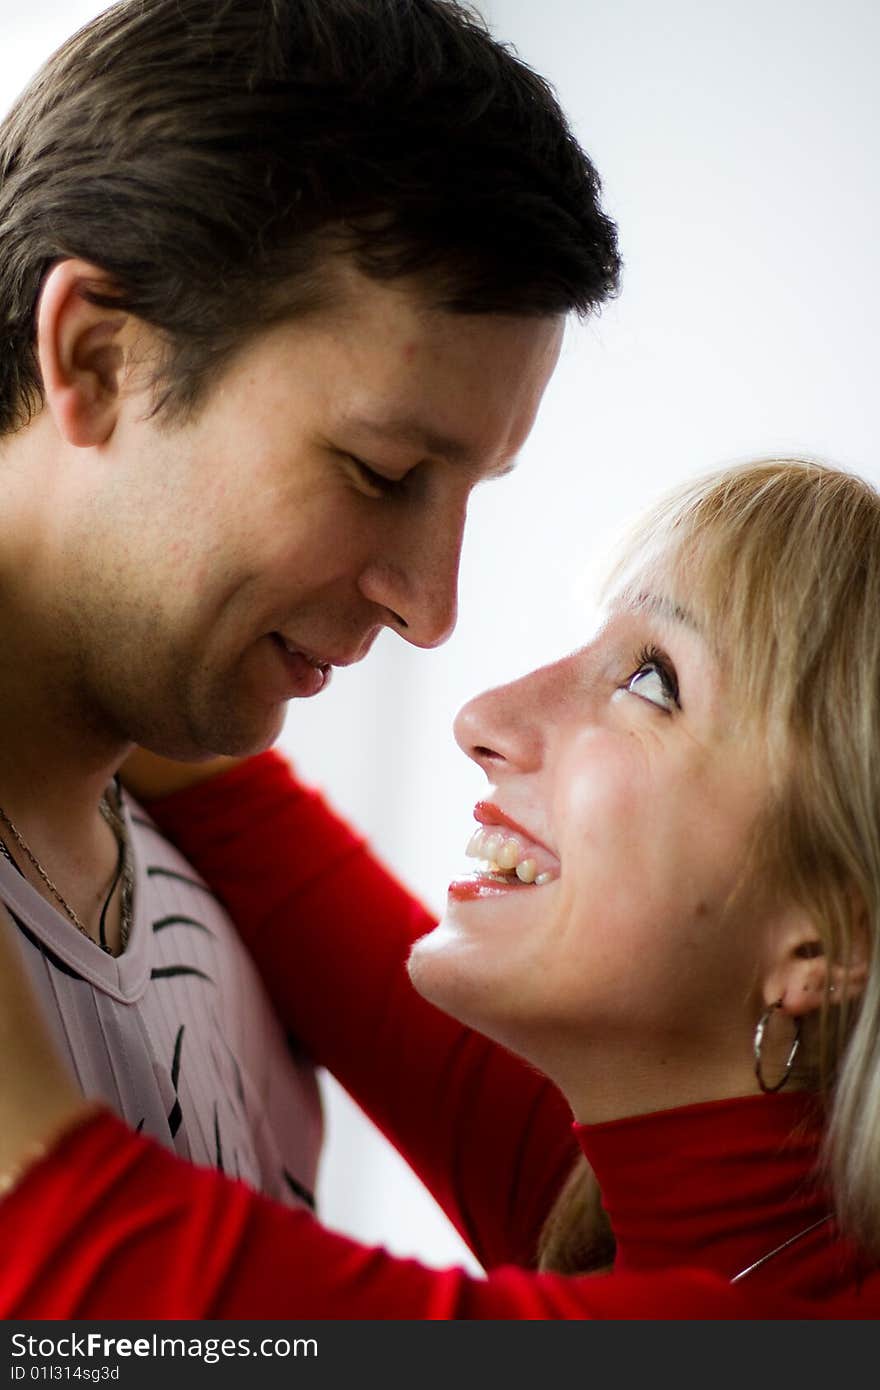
point(628, 964)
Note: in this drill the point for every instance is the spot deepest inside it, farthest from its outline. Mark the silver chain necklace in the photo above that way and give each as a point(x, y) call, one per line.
point(777, 1250)
point(124, 873)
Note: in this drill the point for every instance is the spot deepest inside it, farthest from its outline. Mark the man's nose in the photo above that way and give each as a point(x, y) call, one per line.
point(416, 584)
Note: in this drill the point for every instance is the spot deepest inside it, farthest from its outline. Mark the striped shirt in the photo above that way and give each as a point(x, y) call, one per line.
point(177, 1034)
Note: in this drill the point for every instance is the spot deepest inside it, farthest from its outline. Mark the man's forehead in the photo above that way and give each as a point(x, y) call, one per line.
point(468, 392)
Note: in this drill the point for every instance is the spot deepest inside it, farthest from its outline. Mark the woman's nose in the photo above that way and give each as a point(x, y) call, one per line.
point(504, 730)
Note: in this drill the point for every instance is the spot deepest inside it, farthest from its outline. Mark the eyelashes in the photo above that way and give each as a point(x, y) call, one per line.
point(375, 484)
point(655, 673)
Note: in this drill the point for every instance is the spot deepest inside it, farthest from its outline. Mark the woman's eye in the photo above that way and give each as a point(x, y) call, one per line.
point(372, 483)
point(655, 681)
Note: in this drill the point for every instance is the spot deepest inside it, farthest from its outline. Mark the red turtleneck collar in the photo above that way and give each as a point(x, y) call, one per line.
point(720, 1186)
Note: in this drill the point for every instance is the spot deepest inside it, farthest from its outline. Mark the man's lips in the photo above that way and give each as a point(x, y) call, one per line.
point(304, 676)
point(299, 672)
point(327, 659)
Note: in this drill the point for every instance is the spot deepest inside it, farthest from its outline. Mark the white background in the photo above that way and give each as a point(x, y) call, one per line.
point(739, 145)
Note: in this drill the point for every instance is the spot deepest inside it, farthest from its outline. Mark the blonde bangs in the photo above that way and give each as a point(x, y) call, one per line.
point(771, 559)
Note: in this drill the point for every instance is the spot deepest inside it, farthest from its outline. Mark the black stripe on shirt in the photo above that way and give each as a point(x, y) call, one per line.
point(298, 1190)
point(176, 920)
point(167, 972)
point(175, 1064)
point(217, 1141)
point(49, 955)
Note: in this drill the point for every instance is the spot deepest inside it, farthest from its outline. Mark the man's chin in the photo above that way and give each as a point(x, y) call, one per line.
point(242, 741)
point(228, 734)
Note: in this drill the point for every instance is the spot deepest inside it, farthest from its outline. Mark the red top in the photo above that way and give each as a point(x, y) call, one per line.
point(112, 1225)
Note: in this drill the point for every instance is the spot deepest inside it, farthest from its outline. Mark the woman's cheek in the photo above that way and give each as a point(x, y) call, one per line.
point(602, 798)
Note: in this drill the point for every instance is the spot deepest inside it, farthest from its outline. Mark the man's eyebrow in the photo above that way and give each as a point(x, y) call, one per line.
point(406, 429)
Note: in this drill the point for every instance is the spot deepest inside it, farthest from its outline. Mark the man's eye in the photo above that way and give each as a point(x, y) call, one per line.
point(655, 681)
point(374, 484)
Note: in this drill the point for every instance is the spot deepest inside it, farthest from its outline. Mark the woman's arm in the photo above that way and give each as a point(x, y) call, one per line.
point(110, 1225)
point(330, 930)
point(107, 1224)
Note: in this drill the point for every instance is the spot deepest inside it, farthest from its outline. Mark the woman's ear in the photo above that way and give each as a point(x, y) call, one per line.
point(801, 973)
point(80, 353)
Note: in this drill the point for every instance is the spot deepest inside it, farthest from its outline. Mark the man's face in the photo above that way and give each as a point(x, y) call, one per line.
point(217, 570)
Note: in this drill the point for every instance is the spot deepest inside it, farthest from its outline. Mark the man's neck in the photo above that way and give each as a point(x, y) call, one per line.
point(55, 765)
point(58, 749)
point(51, 789)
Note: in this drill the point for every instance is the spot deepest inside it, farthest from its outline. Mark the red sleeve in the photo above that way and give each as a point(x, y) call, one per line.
point(111, 1225)
point(330, 930)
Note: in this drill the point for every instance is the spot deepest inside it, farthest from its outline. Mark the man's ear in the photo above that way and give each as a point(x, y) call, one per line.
point(80, 353)
point(800, 973)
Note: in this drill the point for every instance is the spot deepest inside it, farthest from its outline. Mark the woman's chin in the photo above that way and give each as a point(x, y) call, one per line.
point(452, 971)
point(428, 959)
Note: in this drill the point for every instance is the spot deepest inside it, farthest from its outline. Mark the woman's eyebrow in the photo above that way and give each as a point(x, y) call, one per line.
point(668, 610)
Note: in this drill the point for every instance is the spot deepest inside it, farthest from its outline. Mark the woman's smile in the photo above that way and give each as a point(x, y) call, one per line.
point(509, 857)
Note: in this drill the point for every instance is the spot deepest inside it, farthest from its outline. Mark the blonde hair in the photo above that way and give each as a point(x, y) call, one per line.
point(781, 559)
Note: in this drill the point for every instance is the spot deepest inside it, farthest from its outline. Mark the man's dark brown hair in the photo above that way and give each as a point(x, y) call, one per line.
point(211, 155)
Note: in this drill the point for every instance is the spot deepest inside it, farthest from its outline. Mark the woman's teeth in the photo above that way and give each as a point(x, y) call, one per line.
point(505, 855)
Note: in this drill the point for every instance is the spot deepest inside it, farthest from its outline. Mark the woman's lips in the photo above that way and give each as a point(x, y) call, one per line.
point(510, 858)
point(487, 813)
point(463, 890)
point(507, 847)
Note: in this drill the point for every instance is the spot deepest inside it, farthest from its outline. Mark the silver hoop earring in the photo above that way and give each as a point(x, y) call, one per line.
point(759, 1042)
